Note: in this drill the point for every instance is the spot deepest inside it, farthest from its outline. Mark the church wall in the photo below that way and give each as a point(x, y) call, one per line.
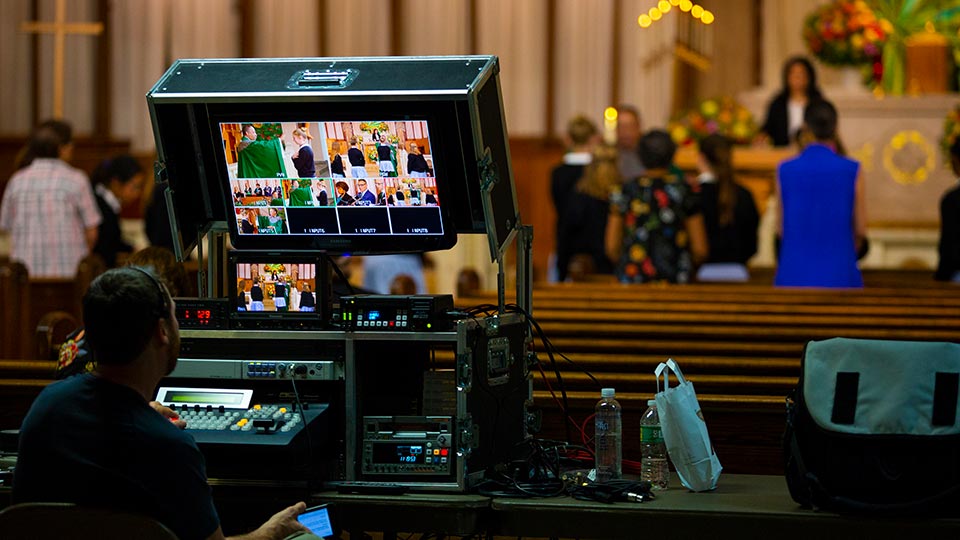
point(286, 28)
point(430, 27)
point(16, 99)
point(357, 28)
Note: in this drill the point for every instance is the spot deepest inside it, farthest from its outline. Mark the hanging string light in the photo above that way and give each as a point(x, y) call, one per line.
point(664, 6)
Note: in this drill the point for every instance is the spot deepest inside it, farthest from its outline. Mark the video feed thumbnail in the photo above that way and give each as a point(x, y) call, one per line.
point(279, 287)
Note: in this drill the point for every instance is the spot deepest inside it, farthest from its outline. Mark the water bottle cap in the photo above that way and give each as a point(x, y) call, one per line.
point(651, 403)
point(608, 392)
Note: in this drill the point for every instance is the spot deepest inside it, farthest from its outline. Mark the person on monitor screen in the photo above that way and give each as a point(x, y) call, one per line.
point(429, 198)
point(343, 197)
point(97, 440)
point(385, 157)
point(268, 191)
point(248, 221)
point(238, 192)
point(320, 195)
point(307, 301)
point(416, 163)
point(336, 164)
point(280, 294)
point(358, 164)
point(302, 196)
point(276, 222)
point(241, 295)
point(381, 192)
point(303, 156)
point(256, 295)
point(364, 196)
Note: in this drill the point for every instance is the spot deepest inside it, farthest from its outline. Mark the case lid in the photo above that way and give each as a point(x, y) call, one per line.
point(269, 79)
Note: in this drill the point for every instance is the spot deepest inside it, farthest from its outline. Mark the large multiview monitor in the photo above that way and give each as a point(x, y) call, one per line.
point(407, 152)
point(296, 183)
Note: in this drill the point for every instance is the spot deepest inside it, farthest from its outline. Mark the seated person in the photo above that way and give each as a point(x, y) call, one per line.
point(729, 213)
point(656, 230)
point(75, 355)
point(822, 216)
point(948, 269)
point(96, 439)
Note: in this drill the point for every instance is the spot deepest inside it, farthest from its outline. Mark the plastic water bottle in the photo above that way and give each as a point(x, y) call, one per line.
point(653, 451)
point(607, 455)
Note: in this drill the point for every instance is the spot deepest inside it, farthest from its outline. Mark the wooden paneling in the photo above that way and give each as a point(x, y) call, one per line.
point(533, 159)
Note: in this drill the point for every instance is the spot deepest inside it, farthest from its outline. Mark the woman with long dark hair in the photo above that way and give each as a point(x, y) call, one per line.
point(729, 211)
point(785, 113)
point(116, 182)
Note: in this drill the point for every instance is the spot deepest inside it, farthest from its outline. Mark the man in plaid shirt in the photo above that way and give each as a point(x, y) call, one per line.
point(49, 209)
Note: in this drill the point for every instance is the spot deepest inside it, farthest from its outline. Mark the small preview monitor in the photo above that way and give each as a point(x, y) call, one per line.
point(278, 290)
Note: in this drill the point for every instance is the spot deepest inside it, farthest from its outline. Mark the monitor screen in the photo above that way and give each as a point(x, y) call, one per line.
point(300, 183)
point(279, 287)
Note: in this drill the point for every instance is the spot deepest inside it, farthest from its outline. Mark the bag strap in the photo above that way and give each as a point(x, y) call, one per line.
point(663, 370)
point(676, 371)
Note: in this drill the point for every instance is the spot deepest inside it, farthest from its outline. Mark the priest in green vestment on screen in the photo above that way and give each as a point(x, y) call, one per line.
point(259, 158)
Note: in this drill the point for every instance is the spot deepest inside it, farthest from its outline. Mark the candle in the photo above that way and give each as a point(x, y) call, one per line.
point(610, 125)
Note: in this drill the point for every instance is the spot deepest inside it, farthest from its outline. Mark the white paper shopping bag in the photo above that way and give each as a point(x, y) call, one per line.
point(685, 431)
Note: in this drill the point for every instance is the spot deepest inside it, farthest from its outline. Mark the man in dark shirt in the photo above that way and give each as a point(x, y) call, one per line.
point(948, 268)
point(96, 439)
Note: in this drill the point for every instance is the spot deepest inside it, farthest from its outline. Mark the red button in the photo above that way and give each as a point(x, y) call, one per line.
point(443, 451)
point(391, 323)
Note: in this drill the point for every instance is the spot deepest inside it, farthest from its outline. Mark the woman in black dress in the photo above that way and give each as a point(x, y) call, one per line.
point(785, 113)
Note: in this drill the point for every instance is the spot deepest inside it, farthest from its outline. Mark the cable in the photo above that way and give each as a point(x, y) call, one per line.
point(306, 428)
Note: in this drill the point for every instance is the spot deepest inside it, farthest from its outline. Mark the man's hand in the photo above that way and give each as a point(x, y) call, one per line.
point(282, 524)
point(167, 412)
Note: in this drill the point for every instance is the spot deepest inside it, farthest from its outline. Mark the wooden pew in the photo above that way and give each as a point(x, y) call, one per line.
point(740, 344)
point(27, 300)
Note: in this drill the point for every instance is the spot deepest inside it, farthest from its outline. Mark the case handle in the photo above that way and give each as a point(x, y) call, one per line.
point(327, 78)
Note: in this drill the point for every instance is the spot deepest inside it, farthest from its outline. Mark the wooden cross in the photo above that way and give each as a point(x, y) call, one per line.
point(60, 28)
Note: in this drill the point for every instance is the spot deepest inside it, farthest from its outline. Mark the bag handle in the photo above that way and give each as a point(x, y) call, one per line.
point(664, 369)
point(666, 376)
point(676, 371)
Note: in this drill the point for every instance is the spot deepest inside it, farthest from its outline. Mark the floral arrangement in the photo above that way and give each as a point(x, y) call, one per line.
point(274, 267)
point(269, 131)
point(846, 33)
point(718, 115)
point(374, 126)
point(951, 130)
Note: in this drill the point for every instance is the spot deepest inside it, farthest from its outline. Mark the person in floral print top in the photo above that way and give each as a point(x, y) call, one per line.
point(656, 230)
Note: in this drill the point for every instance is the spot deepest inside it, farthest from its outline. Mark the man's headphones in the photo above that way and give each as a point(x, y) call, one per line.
point(162, 309)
